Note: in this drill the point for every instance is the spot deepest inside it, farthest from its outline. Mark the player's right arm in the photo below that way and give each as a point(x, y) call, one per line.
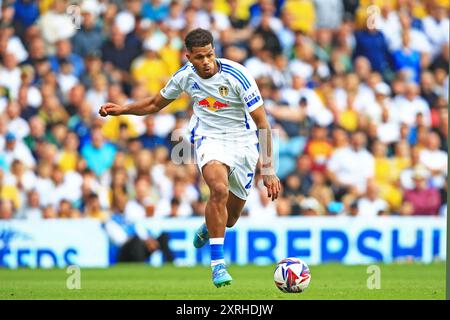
point(142, 107)
point(151, 104)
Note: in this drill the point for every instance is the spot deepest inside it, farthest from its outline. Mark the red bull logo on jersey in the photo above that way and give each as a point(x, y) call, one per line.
point(212, 104)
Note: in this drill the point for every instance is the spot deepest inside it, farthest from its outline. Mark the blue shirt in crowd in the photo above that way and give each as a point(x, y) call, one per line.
point(407, 60)
point(26, 12)
point(99, 159)
point(373, 46)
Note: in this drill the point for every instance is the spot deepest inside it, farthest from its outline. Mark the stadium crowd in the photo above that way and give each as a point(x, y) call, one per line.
point(357, 96)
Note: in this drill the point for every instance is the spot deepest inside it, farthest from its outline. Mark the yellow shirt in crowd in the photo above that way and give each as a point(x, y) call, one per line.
point(9, 192)
point(45, 5)
point(67, 161)
point(303, 13)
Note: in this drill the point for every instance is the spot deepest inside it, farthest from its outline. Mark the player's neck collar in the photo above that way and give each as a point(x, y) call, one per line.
point(219, 66)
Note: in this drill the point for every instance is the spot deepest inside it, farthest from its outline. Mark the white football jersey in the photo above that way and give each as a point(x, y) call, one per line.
point(222, 103)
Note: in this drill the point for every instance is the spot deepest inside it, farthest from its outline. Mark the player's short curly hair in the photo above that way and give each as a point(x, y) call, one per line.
point(198, 38)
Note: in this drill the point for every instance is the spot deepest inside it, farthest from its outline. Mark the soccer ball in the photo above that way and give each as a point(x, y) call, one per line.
point(292, 275)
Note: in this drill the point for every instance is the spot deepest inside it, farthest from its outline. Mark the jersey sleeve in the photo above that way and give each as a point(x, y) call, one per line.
point(172, 89)
point(246, 87)
point(249, 92)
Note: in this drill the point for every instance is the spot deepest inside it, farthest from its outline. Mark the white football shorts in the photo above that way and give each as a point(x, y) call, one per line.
point(241, 159)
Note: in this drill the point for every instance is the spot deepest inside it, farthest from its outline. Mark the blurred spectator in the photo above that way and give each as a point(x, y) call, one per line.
point(16, 149)
point(56, 24)
point(319, 148)
point(29, 97)
point(217, 20)
point(133, 242)
point(67, 158)
point(300, 181)
point(266, 31)
point(175, 19)
point(423, 199)
point(44, 184)
point(388, 129)
point(98, 153)
point(49, 212)
point(388, 21)
point(94, 67)
point(406, 59)
point(66, 77)
point(428, 89)
point(299, 95)
point(13, 43)
point(150, 69)
point(64, 55)
point(10, 74)
point(37, 52)
point(97, 95)
point(26, 12)
point(322, 192)
point(371, 43)
point(284, 208)
point(436, 26)
point(401, 159)
point(348, 118)
point(441, 61)
point(32, 210)
point(6, 209)
point(258, 204)
point(16, 124)
point(149, 139)
point(66, 210)
point(9, 192)
point(350, 167)
point(350, 7)
point(329, 13)
point(89, 185)
point(20, 176)
point(418, 40)
point(59, 189)
point(304, 15)
point(121, 50)
point(88, 38)
point(82, 121)
point(52, 111)
point(409, 105)
point(143, 205)
point(259, 62)
point(311, 207)
point(181, 198)
point(385, 177)
point(93, 209)
point(371, 205)
point(435, 160)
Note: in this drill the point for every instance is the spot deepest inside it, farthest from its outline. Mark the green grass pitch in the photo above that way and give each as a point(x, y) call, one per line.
point(137, 281)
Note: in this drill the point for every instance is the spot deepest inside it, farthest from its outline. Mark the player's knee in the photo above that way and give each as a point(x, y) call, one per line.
point(219, 192)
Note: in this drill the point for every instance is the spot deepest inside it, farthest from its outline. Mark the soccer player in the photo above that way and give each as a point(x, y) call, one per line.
point(228, 129)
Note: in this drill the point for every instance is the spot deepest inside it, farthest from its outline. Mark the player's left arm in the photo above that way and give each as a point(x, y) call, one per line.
point(270, 179)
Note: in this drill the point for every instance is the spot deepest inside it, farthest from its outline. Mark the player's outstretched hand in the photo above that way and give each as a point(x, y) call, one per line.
point(111, 109)
point(273, 185)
